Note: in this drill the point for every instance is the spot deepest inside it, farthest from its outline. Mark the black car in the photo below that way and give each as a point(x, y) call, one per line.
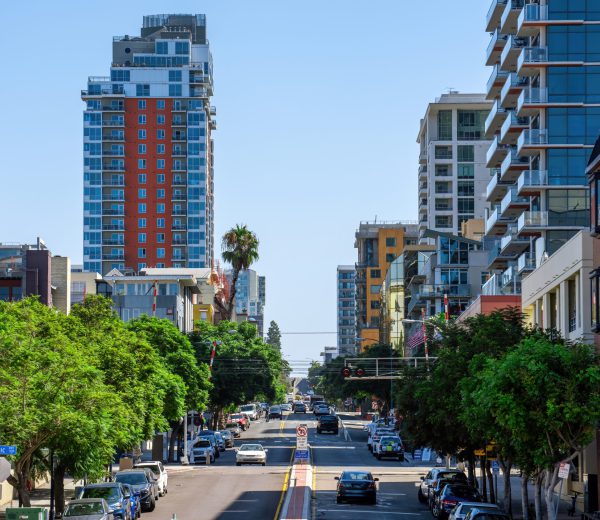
point(356, 485)
point(451, 495)
point(438, 485)
point(139, 480)
point(327, 423)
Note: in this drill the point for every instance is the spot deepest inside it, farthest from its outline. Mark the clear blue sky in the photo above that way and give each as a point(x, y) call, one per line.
point(318, 107)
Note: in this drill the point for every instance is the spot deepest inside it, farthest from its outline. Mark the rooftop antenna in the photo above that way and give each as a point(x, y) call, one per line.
point(451, 90)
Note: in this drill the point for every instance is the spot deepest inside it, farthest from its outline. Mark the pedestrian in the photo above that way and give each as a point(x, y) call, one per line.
point(201, 422)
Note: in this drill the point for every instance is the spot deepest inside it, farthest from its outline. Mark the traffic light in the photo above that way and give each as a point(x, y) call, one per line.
point(359, 372)
point(346, 372)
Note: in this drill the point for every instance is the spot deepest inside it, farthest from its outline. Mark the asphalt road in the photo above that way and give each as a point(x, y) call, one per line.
point(396, 494)
point(224, 491)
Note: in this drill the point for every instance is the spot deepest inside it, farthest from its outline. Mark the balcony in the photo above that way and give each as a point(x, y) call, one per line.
point(494, 14)
point(178, 195)
point(494, 48)
point(423, 189)
point(111, 242)
point(531, 59)
point(495, 287)
point(114, 153)
point(525, 263)
point(120, 107)
point(495, 82)
point(531, 18)
point(115, 137)
point(113, 256)
point(494, 120)
point(113, 227)
point(532, 100)
point(510, 279)
point(512, 128)
point(497, 259)
point(512, 204)
point(496, 188)
point(510, 53)
point(178, 166)
point(178, 136)
point(513, 86)
point(531, 182)
point(423, 172)
point(114, 212)
point(532, 222)
point(510, 16)
point(114, 182)
point(179, 212)
point(495, 224)
point(178, 181)
point(512, 243)
point(179, 227)
point(532, 141)
point(423, 156)
point(119, 197)
point(114, 167)
point(496, 153)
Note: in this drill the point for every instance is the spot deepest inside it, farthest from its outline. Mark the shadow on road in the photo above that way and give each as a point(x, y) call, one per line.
point(251, 504)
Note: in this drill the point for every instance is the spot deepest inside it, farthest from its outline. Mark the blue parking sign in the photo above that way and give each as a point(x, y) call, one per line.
point(8, 450)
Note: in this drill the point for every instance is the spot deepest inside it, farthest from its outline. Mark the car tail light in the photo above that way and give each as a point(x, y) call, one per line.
point(372, 485)
point(449, 502)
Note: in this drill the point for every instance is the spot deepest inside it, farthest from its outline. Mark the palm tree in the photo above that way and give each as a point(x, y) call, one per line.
point(239, 248)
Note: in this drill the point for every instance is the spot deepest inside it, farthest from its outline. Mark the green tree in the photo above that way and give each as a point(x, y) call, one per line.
point(240, 249)
point(244, 368)
point(546, 393)
point(188, 381)
point(274, 335)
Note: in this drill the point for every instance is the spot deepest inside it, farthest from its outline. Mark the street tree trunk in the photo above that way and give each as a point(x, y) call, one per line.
point(525, 496)
point(490, 478)
point(59, 487)
point(175, 429)
point(549, 484)
point(538, 496)
point(471, 470)
point(483, 481)
point(506, 467)
point(19, 482)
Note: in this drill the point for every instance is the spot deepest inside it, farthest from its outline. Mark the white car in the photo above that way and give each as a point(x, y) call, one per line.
point(375, 436)
point(159, 472)
point(250, 410)
point(251, 454)
point(202, 451)
point(462, 508)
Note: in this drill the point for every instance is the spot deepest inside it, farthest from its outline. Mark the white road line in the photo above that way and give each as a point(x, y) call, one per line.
point(362, 511)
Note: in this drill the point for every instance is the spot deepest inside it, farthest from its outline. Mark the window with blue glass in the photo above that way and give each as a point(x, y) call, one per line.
point(160, 104)
point(174, 75)
point(182, 48)
point(141, 148)
point(92, 118)
point(142, 134)
point(162, 47)
point(142, 193)
point(160, 252)
point(175, 89)
point(120, 75)
point(142, 90)
point(573, 125)
point(142, 104)
point(470, 124)
point(573, 42)
point(160, 164)
point(160, 178)
point(160, 134)
point(160, 194)
point(93, 134)
point(588, 10)
point(141, 207)
point(160, 208)
point(568, 208)
point(567, 167)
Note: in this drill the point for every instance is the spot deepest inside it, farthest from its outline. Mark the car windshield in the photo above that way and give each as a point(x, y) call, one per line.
point(134, 478)
point(247, 408)
point(231, 425)
point(452, 475)
point(237, 416)
point(389, 440)
point(202, 444)
point(462, 492)
point(110, 494)
point(356, 475)
point(466, 508)
point(251, 447)
point(154, 467)
point(89, 508)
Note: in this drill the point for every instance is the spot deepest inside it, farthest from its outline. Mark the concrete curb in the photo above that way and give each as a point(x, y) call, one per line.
point(304, 473)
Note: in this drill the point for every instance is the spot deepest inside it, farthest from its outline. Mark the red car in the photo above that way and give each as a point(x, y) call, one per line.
point(241, 419)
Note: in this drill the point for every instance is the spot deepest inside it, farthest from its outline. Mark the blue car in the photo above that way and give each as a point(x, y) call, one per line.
point(136, 505)
point(115, 494)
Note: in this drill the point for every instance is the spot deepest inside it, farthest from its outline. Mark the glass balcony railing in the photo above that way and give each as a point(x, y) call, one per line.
point(525, 262)
point(512, 198)
point(493, 218)
point(513, 122)
point(532, 178)
point(495, 286)
point(494, 11)
point(533, 13)
point(532, 219)
point(497, 75)
point(532, 55)
point(496, 39)
point(532, 138)
point(513, 82)
point(496, 111)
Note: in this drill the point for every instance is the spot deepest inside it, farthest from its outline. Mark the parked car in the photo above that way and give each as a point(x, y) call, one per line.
point(299, 408)
point(116, 497)
point(209, 435)
point(241, 419)
point(160, 473)
point(433, 474)
point(134, 501)
point(227, 438)
point(264, 407)
point(88, 509)
point(328, 423)
point(437, 487)
point(377, 433)
point(356, 485)
point(389, 446)
point(484, 513)
point(451, 495)
point(251, 410)
point(234, 428)
point(220, 441)
point(275, 412)
point(142, 483)
point(321, 409)
point(286, 407)
point(381, 433)
point(462, 509)
point(251, 454)
point(202, 452)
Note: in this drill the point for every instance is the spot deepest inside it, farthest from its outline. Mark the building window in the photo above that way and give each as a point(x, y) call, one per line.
point(160, 178)
point(390, 242)
point(160, 238)
point(160, 104)
point(142, 223)
point(595, 301)
point(466, 171)
point(142, 119)
point(443, 187)
point(160, 164)
point(568, 208)
point(141, 148)
point(142, 238)
point(443, 221)
point(160, 223)
point(443, 204)
point(465, 205)
point(465, 153)
point(175, 89)
point(375, 304)
point(443, 152)
point(375, 289)
point(141, 193)
point(174, 75)
point(142, 178)
point(141, 134)
point(160, 208)
point(470, 124)
point(141, 208)
point(445, 125)
point(160, 134)
point(142, 164)
point(466, 188)
point(375, 273)
point(141, 252)
point(162, 47)
point(160, 149)
point(160, 119)
point(160, 194)
point(390, 257)
point(142, 104)
point(142, 90)
point(443, 170)
point(160, 252)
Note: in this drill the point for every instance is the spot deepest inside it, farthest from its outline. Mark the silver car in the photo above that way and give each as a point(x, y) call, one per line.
point(462, 508)
point(88, 509)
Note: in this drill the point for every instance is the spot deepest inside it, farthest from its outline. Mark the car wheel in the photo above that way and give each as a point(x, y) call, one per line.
point(421, 497)
point(318, 431)
point(435, 511)
point(238, 463)
point(379, 456)
point(338, 500)
point(373, 501)
point(401, 458)
point(264, 463)
point(152, 505)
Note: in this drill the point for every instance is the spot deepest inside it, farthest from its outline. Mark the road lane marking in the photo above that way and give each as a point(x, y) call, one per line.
point(286, 482)
point(362, 511)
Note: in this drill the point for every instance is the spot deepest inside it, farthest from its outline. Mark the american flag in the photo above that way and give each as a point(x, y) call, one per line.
point(416, 339)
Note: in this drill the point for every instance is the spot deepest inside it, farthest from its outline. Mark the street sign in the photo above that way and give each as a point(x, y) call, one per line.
point(563, 470)
point(426, 456)
point(301, 443)
point(4, 470)
point(417, 455)
point(8, 450)
point(495, 466)
point(302, 430)
point(301, 454)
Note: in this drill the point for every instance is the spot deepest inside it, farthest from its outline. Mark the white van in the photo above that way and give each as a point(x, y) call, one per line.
point(250, 410)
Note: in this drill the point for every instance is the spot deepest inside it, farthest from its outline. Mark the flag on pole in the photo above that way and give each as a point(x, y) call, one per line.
point(415, 340)
point(446, 308)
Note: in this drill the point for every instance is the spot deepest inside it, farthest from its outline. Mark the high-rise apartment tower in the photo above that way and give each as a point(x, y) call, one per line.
point(148, 152)
point(346, 311)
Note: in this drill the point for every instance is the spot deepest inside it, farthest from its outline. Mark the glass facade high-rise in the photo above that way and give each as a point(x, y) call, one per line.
point(148, 152)
point(545, 85)
point(346, 311)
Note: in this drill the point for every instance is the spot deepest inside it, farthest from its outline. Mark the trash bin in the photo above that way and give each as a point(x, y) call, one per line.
point(26, 513)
